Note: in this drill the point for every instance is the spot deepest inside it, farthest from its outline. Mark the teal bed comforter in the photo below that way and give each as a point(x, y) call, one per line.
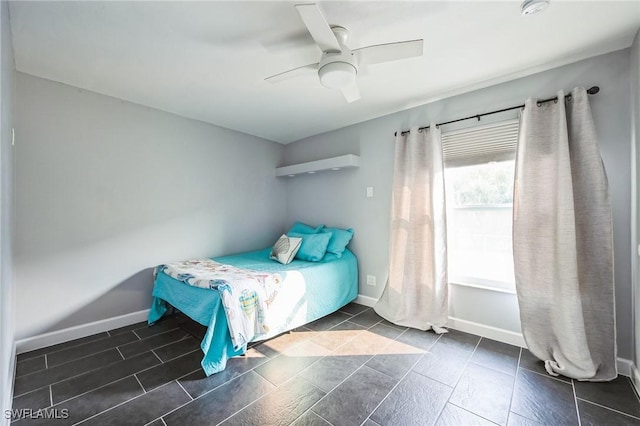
point(311, 290)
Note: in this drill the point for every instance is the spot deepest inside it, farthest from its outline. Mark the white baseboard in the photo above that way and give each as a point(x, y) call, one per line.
point(478, 329)
point(365, 300)
point(625, 367)
point(635, 378)
point(493, 333)
point(78, 331)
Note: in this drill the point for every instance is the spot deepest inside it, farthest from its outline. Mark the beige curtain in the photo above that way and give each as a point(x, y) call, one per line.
point(562, 240)
point(416, 291)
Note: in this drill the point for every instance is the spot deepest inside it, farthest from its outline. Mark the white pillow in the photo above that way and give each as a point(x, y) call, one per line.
point(285, 249)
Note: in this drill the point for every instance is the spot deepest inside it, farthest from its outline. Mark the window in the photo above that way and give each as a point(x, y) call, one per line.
point(479, 173)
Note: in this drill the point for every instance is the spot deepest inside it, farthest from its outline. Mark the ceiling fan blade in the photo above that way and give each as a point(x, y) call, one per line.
point(296, 72)
point(389, 52)
point(318, 27)
point(351, 93)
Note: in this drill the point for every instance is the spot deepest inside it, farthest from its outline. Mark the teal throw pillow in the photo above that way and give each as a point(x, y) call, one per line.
point(339, 240)
point(303, 228)
point(313, 247)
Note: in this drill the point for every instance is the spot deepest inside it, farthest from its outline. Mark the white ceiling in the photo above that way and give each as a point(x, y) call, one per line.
point(207, 60)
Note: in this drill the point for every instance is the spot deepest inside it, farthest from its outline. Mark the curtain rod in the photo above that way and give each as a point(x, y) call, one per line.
point(592, 91)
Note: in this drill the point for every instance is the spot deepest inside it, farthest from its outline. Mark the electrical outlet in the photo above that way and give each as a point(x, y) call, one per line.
point(371, 280)
point(369, 191)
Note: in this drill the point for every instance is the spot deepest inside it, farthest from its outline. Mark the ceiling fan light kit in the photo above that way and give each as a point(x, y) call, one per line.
point(338, 66)
point(530, 7)
point(337, 70)
point(337, 75)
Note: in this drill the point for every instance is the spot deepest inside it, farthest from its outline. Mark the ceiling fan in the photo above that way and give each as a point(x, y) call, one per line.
point(338, 64)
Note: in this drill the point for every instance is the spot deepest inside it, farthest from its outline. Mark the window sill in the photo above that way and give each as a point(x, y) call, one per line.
point(485, 287)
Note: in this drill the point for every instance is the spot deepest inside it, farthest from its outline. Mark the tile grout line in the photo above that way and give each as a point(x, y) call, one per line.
point(330, 328)
point(400, 381)
point(515, 380)
point(118, 405)
point(142, 324)
point(94, 389)
point(71, 377)
point(548, 376)
point(185, 337)
point(607, 408)
point(466, 365)
point(575, 402)
point(299, 374)
point(175, 357)
point(471, 412)
point(136, 334)
point(46, 363)
point(32, 372)
point(313, 412)
point(138, 380)
point(276, 388)
point(333, 349)
point(156, 355)
point(70, 361)
point(155, 347)
point(364, 364)
point(464, 368)
point(334, 388)
point(84, 356)
point(453, 388)
point(187, 334)
point(182, 387)
point(50, 396)
point(179, 377)
point(635, 391)
point(345, 379)
point(118, 349)
point(210, 390)
point(235, 378)
point(134, 374)
point(304, 369)
point(64, 348)
point(144, 392)
point(27, 393)
point(328, 422)
point(95, 369)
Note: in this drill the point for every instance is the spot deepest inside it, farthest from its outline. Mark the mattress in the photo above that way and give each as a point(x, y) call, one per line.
point(310, 290)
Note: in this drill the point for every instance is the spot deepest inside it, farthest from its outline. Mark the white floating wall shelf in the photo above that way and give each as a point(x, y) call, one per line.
point(334, 163)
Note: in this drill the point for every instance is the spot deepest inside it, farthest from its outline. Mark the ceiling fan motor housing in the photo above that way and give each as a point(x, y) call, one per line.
point(338, 70)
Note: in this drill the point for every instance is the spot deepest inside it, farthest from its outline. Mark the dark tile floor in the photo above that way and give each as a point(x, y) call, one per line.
point(349, 368)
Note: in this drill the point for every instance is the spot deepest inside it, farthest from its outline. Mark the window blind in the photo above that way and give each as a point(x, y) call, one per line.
point(482, 144)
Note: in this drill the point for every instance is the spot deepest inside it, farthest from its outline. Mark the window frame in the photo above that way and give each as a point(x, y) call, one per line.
point(506, 135)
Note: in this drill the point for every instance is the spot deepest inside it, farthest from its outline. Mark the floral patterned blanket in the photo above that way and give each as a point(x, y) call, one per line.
point(246, 295)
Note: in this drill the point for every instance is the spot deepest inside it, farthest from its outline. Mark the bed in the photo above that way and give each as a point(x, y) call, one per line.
point(310, 290)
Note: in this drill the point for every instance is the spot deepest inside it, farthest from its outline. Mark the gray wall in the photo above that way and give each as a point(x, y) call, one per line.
point(7, 74)
point(635, 221)
point(338, 198)
point(107, 189)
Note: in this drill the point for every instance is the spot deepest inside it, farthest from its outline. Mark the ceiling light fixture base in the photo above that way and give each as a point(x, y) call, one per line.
point(531, 7)
point(338, 70)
